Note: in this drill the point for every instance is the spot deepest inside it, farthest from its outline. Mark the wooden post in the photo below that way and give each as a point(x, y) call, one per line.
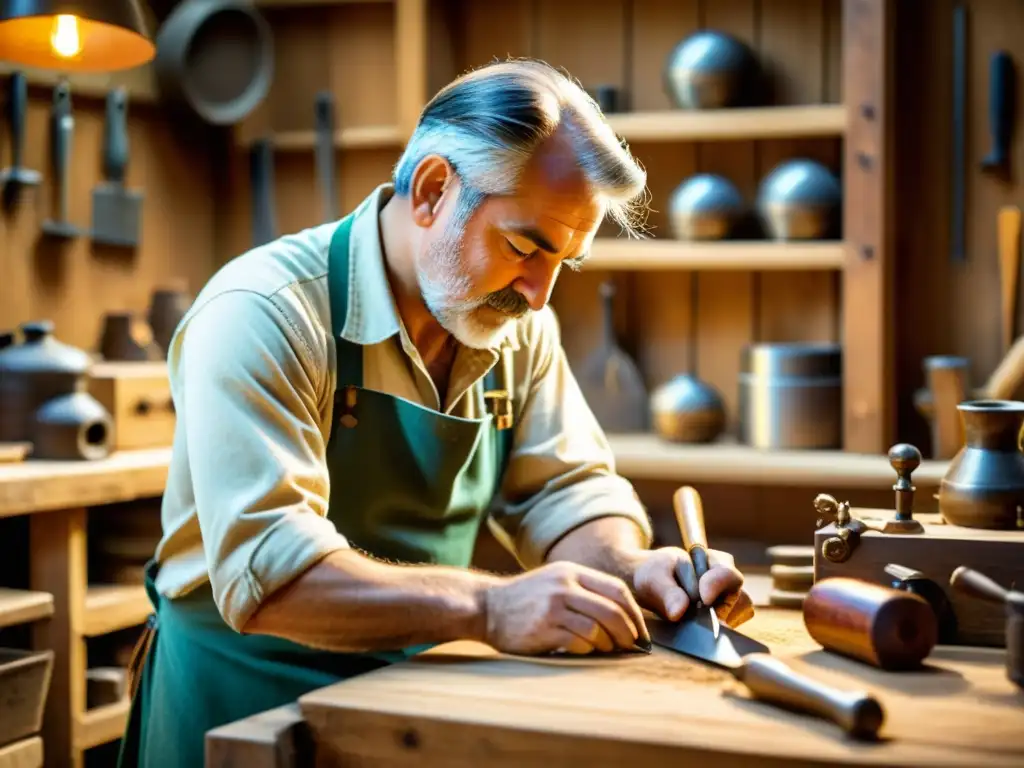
point(868, 275)
point(410, 62)
point(57, 560)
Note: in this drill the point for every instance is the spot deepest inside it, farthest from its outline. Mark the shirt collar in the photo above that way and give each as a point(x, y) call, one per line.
point(372, 313)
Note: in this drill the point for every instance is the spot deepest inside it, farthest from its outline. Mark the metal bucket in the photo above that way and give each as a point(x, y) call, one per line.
point(790, 396)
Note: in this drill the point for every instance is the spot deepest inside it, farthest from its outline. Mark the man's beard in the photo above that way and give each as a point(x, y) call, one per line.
point(444, 279)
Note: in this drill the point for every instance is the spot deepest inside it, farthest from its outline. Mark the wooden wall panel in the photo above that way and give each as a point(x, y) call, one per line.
point(73, 283)
point(944, 307)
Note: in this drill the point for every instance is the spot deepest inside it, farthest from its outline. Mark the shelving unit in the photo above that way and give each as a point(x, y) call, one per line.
point(666, 254)
point(731, 124)
point(55, 495)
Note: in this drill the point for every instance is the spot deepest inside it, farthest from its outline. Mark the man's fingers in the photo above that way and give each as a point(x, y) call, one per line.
point(589, 630)
point(616, 622)
point(719, 580)
point(616, 591)
point(568, 642)
point(659, 588)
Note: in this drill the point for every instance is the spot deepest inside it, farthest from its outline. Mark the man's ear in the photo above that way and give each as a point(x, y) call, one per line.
point(431, 180)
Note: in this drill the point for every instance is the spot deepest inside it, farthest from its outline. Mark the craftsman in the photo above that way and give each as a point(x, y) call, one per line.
point(354, 401)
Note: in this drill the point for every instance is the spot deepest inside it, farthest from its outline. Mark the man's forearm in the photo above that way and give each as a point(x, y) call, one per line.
point(609, 544)
point(349, 603)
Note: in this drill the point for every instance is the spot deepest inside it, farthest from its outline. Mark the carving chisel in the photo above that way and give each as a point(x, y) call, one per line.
point(690, 519)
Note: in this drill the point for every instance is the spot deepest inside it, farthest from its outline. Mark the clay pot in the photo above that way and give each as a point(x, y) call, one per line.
point(166, 308)
point(710, 70)
point(800, 200)
point(705, 207)
point(127, 338)
point(71, 427)
point(687, 410)
point(984, 485)
point(33, 372)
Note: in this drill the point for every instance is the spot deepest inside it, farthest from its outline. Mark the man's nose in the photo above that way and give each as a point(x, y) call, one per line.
point(538, 283)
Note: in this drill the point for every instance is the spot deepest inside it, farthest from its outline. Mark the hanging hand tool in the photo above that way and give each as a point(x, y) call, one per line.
point(857, 713)
point(1001, 91)
point(116, 210)
point(958, 218)
point(16, 176)
point(261, 179)
point(326, 162)
point(62, 129)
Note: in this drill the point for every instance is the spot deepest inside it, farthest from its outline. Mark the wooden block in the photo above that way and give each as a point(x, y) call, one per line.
point(138, 397)
point(937, 553)
point(791, 554)
point(792, 577)
point(27, 753)
point(781, 598)
point(273, 739)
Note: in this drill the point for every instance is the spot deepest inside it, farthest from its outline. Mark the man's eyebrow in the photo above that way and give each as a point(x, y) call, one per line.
point(535, 236)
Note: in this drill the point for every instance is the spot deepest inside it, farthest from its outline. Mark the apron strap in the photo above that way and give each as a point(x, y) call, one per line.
point(350, 356)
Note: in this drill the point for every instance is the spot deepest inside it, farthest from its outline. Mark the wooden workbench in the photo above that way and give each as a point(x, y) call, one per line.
point(462, 704)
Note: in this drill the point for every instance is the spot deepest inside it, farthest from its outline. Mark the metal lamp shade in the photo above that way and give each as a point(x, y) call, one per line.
point(74, 35)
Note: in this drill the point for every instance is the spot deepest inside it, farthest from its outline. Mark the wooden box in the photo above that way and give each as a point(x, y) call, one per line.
point(936, 553)
point(24, 683)
point(138, 397)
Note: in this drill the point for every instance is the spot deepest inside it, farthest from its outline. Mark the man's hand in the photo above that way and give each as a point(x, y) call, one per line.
point(665, 582)
point(563, 607)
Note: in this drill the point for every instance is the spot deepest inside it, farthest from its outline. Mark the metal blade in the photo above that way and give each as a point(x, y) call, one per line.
point(696, 637)
point(716, 625)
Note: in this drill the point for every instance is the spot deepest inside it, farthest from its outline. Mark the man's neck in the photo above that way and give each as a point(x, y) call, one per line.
point(435, 345)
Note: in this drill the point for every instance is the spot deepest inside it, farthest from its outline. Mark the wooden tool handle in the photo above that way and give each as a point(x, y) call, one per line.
point(856, 712)
point(970, 582)
point(690, 519)
point(1009, 267)
point(1008, 377)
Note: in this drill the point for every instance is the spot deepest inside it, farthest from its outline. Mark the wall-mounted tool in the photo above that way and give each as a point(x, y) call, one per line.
point(261, 180)
point(16, 176)
point(116, 210)
point(1002, 89)
point(62, 132)
point(958, 219)
point(326, 162)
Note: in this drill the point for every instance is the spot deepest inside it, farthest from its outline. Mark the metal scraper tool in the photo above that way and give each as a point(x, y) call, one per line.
point(17, 176)
point(858, 713)
point(700, 635)
point(116, 210)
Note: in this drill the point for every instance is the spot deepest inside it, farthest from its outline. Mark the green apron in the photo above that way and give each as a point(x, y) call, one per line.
point(411, 485)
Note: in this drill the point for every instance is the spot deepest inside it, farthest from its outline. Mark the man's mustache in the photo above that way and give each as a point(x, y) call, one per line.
point(508, 301)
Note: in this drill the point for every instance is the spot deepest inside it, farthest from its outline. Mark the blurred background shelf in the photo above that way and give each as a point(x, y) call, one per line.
point(21, 606)
point(645, 457)
point(666, 253)
point(356, 137)
point(731, 124)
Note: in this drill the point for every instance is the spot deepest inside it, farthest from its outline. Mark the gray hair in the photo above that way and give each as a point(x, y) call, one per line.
point(488, 122)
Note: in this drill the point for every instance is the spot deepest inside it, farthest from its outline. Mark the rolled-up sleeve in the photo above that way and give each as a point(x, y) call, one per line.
point(248, 397)
point(561, 473)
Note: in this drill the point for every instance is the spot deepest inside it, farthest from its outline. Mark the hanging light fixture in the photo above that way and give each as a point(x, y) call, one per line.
point(74, 35)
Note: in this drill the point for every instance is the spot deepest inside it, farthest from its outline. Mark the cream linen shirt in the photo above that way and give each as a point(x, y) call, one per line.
point(252, 373)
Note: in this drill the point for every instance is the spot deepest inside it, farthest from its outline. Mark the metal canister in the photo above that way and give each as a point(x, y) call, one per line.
point(790, 396)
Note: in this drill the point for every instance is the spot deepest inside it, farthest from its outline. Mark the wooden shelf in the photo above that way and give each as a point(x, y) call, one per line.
point(725, 124)
point(110, 607)
point(27, 753)
point(646, 457)
point(666, 253)
point(358, 137)
point(101, 725)
point(20, 606)
point(37, 486)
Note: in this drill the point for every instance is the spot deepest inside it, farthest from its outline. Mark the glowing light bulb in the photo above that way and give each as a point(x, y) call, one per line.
point(65, 39)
